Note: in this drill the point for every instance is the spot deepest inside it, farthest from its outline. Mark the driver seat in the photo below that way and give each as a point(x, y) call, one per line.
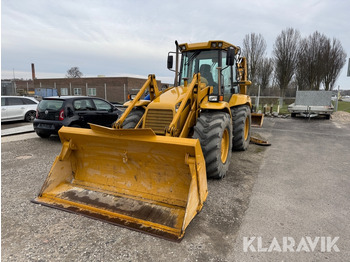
point(205, 72)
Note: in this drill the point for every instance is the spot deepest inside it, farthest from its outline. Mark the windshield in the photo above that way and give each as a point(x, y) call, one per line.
point(206, 63)
point(202, 61)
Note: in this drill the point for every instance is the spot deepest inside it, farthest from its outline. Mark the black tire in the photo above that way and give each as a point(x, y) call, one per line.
point(241, 120)
point(213, 129)
point(293, 114)
point(30, 116)
point(133, 118)
point(43, 135)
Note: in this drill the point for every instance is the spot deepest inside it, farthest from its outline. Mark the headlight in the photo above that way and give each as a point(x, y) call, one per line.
point(213, 98)
point(177, 106)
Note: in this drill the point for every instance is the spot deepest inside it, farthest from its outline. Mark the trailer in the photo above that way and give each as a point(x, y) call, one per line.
point(312, 103)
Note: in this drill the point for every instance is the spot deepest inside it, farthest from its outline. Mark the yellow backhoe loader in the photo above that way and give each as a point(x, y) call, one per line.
point(149, 171)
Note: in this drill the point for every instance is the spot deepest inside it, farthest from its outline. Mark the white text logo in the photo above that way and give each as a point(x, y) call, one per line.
point(288, 244)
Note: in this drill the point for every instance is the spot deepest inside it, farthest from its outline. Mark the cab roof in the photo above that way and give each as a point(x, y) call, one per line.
point(213, 44)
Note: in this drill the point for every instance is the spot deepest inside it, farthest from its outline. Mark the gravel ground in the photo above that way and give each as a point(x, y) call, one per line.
point(298, 187)
point(341, 116)
point(32, 232)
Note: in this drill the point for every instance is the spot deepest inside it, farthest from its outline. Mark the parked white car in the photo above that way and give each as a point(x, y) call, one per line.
point(18, 108)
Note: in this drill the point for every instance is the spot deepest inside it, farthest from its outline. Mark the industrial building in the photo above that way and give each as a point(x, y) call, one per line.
point(113, 89)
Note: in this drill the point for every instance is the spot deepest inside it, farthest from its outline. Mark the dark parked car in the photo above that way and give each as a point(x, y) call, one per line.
point(75, 111)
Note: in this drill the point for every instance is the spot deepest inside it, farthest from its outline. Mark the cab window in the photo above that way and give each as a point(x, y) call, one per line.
point(226, 78)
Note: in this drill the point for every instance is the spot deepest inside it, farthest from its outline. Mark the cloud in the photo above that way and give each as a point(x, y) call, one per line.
point(133, 37)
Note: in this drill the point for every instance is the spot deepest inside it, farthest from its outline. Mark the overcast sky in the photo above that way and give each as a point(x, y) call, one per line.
point(132, 38)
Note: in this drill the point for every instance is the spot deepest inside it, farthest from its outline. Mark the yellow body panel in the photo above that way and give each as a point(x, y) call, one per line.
point(239, 99)
point(220, 106)
point(133, 178)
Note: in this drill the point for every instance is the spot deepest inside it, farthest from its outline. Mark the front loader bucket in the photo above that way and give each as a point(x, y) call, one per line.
point(257, 119)
point(130, 177)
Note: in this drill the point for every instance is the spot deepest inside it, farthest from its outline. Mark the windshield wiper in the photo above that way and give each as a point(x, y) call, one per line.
point(193, 56)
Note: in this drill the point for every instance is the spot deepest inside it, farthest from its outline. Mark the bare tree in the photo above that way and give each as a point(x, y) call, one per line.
point(265, 72)
point(254, 49)
point(74, 72)
point(334, 60)
point(301, 66)
point(310, 69)
point(319, 61)
point(285, 57)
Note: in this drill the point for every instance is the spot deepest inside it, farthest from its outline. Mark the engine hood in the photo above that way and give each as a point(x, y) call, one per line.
point(169, 99)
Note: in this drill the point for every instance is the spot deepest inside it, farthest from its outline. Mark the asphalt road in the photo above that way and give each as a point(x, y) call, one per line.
point(297, 188)
point(302, 192)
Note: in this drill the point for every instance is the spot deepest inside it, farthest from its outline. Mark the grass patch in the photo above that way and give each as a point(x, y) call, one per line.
point(283, 110)
point(344, 106)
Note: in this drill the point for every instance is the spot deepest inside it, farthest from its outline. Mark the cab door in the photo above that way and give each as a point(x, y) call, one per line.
point(226, 79)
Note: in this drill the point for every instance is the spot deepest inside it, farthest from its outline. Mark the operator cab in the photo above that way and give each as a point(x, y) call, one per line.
point(211, 61)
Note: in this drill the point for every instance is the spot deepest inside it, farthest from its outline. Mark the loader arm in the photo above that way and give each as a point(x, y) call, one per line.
point(154, 92)
point(195, 93)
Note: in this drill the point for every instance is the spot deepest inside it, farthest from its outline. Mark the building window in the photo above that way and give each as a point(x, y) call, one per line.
point(64, 91)
point(77, 91)
point(92, 91)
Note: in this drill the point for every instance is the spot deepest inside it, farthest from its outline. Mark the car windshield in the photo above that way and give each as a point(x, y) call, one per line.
point(50, 104)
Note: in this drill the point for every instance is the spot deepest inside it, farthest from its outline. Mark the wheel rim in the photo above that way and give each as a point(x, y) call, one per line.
point(30, 116)
point(246, 128)
point(225, 142)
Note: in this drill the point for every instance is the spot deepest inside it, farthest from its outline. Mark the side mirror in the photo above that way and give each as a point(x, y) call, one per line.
point(170, 61)
point(230, 60)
